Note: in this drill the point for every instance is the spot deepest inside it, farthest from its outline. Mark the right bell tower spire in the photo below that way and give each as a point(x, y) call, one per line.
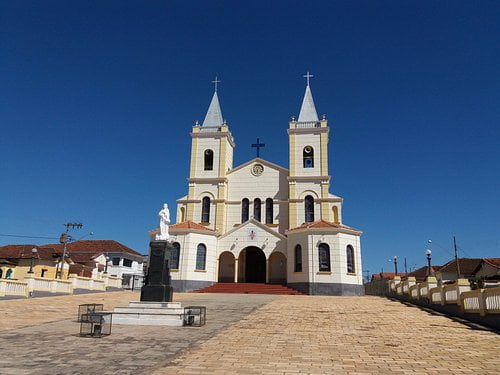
point(309, 181)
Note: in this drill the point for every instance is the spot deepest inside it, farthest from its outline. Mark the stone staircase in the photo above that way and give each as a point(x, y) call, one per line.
point(248, 288)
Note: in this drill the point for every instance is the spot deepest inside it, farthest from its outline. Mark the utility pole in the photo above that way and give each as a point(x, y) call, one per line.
point(64, 239)
point(406, 270)
point(456, 257)
point(367, 275)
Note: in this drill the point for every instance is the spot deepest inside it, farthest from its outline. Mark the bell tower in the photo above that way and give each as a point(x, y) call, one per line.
point(212, 146)
point(309, 181)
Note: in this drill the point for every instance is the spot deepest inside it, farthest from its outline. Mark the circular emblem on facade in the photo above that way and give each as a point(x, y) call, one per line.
point(257, 169)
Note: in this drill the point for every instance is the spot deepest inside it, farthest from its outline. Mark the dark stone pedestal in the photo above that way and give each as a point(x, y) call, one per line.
point(158, 286)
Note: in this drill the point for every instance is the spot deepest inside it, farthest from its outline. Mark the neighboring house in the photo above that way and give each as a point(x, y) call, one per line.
point(489, 271)
point(17, 259)
point(421, 274)
point(385, 276)
point(468, 269)
point(89, 258)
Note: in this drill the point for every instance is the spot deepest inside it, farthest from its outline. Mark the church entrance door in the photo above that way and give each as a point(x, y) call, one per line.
point(254, 265)
point(226, 267)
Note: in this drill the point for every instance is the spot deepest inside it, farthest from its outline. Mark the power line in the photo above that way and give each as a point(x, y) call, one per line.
point(21, 236)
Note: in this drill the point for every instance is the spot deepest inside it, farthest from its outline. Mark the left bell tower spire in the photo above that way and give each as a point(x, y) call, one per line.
point(212, 148)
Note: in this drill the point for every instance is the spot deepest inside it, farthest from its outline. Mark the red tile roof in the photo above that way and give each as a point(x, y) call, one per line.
point(468, 266)
point(190, 225)
point(494, 262)
point(24, 252)
point(95, 247)
point(385, 275)
point(421, 273)
point(322, 224)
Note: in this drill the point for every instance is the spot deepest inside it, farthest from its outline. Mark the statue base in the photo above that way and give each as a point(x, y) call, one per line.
point(158, 286)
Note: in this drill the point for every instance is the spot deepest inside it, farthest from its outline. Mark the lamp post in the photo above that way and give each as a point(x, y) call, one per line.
point(34, 251)
point(428, 253)
point(395, 259)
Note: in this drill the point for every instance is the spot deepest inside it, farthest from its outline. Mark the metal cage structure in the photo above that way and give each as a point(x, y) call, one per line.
point(96, 324)
point(89, 308)
point(195, 316)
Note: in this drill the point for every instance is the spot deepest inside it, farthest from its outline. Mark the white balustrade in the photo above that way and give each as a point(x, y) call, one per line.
point(13, 288)
point(492, 300)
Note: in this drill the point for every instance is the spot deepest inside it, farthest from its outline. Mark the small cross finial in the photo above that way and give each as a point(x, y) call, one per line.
point(307, 76)
point(216, 81)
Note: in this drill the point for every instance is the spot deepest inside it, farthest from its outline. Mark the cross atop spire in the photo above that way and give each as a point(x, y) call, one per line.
point(215, 82)
point(307, 76)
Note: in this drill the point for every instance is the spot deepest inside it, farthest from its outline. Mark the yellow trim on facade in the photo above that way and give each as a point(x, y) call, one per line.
point(324, 153)
point(222, 156)
point(194, 150)
point(292, 154)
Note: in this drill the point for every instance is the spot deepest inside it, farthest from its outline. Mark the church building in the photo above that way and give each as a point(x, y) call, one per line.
point(260, 222)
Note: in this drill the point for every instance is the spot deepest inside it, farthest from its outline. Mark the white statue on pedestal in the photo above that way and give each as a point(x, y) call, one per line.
point(164, 223)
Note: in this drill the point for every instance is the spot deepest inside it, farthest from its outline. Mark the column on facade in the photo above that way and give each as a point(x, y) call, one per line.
point(267, 270)
point(235, 270)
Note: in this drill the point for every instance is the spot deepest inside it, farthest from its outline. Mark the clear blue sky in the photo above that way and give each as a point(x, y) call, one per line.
point(97, 100)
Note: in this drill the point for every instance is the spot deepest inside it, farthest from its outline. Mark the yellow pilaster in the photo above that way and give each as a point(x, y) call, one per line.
point(324, 153)
point(292, 154)
point(292, 207)
point(194, 148)
point(220, 215)
point(222, 156)
point(190, 205)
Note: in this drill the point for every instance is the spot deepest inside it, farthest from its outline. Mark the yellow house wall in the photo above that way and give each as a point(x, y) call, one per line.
point(22, 269)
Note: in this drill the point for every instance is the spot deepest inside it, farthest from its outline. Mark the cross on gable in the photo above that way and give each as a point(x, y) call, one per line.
point(258, 145)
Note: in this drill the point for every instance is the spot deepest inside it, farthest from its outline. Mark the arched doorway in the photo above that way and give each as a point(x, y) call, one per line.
point(252, 265)
point(226, 267)
point(277, 268)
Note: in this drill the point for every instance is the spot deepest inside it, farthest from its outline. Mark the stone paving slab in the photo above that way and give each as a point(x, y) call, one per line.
point(343, 335)
point(247, 334)
point(40, 336)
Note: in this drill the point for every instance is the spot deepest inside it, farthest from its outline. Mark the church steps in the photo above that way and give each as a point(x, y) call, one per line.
point(248, 288)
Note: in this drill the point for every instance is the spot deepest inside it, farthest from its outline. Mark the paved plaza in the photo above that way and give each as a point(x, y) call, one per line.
point(247, 334)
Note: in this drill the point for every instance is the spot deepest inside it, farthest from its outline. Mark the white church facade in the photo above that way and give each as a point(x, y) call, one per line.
point(262, 223)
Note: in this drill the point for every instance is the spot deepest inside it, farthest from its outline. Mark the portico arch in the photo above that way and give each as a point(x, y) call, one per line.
point(252, 265)
point(226, 267)
point(277, 268)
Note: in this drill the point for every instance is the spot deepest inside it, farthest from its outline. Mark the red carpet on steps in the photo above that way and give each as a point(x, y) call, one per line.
point(247, 288)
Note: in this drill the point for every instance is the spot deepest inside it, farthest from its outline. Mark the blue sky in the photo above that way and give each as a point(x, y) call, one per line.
point(97, 100)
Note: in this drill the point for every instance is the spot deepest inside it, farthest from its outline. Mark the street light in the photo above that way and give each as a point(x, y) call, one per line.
point(33, 254)
point(395, 259)
point(428, 253)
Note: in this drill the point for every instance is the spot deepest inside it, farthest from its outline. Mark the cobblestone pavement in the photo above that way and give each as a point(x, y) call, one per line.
point(40, 336)
point(247, 334)
point(343, 335)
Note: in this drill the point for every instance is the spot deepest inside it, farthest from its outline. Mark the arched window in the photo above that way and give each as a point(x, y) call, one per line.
point(324, 257)
point(298, 258)
point(309, 208)
point(8, 274)
point(335, 214)
point(176, 253)
point(1, 273)
point(201, 256)
point(308, 157)
point(209, 160)
point(205, 210)
point(350, 259)
point(256, 209)
point(269, 211)
point(244, 209)
point(183, 214)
